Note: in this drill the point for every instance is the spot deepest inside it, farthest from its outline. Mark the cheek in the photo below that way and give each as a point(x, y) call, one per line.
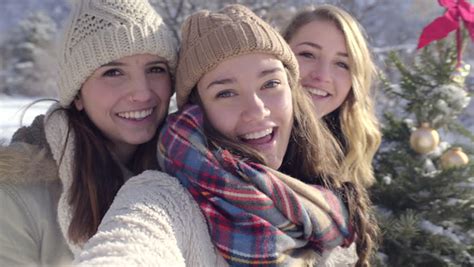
point(162, 87)
point(98, 99)
point(223, 119)
point(284, 102)
point(305, 68)
point(345, 83)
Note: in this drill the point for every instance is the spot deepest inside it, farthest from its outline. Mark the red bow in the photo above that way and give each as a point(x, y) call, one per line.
point(438, 29)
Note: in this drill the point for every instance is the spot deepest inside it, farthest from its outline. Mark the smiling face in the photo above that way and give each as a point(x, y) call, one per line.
point(320, 49)
point(248, 99)
point(127, 99)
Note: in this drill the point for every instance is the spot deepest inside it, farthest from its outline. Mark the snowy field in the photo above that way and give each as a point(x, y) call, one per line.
point(14, 114)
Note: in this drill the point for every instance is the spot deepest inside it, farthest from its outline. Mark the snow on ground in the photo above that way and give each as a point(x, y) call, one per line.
point(14, 114)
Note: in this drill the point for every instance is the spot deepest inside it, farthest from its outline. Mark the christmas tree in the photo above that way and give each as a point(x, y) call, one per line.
point(425, 173)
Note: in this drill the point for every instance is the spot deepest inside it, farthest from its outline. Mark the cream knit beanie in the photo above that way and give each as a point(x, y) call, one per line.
point(208, 38)
point(101, 31)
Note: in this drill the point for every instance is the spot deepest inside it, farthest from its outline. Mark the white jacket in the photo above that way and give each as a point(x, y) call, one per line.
point(34, 192)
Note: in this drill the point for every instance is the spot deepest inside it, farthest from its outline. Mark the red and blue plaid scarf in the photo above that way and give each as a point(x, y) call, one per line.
point(256, 216)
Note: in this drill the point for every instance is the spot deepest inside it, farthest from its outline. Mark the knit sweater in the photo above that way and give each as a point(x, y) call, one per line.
point(154, 221)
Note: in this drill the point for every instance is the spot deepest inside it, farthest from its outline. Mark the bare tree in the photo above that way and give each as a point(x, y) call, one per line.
point(174, 12)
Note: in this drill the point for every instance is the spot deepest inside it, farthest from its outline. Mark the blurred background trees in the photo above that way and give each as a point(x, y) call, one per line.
point(28, 27)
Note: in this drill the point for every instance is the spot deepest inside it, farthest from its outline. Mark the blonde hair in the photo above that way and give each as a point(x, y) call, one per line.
point(359, 126)
point(354, 123)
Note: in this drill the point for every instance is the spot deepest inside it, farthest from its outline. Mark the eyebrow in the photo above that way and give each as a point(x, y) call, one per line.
point(232, 80)
point(270, 71)
point(221, 81)
point(320, 48)
point(117, 63)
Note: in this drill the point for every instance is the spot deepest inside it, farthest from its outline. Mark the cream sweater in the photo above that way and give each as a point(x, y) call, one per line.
point(154, 221)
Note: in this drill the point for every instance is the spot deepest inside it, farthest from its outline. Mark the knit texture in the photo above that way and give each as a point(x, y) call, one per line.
point(62, 147)
point(101, 31)
point(208, 38)
point(256, 216)
point(153, 221)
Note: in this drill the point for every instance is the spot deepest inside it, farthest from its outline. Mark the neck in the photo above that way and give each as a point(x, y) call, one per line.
point(123, 152)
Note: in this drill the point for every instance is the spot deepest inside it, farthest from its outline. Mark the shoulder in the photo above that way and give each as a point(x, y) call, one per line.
point(34, 201)
point(25, 163)
point(154, 186)
point(161, 193)
point(29, 231)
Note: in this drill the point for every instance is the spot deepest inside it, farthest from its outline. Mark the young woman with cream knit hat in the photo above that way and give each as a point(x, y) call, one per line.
point(256, 169)
point(59, 176)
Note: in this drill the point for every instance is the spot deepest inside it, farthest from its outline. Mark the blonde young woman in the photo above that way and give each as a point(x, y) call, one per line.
point(59, 176)
point(256, 172)
point(336, 69)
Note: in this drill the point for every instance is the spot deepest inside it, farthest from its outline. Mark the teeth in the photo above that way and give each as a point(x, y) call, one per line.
point(257, 135)
point(136, 115)
point(316, 91)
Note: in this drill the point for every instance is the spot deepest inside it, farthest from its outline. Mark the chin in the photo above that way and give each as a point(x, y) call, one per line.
point(138, 140)
point(274, 163)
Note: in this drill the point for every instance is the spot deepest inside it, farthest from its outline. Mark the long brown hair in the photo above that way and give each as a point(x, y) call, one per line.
point(354, 123)
point(313, 156)
point(97, 176)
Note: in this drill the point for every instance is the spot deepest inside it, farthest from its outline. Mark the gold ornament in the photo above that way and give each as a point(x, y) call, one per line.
point(460, 73)
point(454, 157)
point(424, 139)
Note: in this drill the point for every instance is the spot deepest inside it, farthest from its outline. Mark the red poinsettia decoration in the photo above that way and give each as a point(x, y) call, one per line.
point(457, 11)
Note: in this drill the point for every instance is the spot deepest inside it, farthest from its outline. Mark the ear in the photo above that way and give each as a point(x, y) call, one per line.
point(78, 102)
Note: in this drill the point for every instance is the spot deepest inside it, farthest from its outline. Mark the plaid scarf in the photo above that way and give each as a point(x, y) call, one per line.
point(256, 216)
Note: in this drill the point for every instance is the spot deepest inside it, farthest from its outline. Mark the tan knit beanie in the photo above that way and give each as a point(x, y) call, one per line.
point(208, 38)
point(101, 31)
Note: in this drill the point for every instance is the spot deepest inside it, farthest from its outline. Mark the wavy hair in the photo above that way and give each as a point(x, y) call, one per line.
point(354, 123)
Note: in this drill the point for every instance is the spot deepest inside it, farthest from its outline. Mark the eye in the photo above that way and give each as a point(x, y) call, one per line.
point(225, 94)
point(343, 65)
point(112, 73)
point(157, 69)
point(271, 84)
point(306, 54)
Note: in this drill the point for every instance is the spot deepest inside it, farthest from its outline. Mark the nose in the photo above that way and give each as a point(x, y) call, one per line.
point(320, 71)
point(140, 90)
point(254, 108)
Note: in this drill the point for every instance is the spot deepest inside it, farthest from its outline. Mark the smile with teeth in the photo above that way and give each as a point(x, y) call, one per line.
point(316, 91)
point(136, 115)
point(257, 135)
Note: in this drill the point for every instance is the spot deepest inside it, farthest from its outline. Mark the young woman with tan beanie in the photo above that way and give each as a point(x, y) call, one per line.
point(59, 176)
point(256, 171)
point(336, 69)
